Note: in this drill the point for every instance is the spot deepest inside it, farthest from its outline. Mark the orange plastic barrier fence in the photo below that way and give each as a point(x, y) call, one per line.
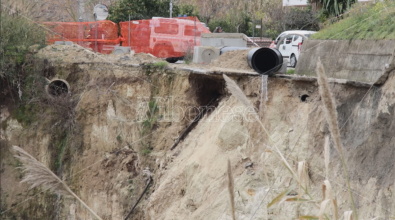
point(83, 33)
point(163, 37)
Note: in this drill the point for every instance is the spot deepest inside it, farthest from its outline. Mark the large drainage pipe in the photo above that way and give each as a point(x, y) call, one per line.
point(57, 87)
point(265, 61)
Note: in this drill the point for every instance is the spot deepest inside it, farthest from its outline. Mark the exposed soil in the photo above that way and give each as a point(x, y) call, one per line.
point(232, 60)
point(74, 53)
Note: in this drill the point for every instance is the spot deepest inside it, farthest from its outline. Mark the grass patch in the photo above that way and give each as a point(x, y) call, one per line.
point(146, 151)
point(290, 71)
point(369, 21)
point(60, 148)
point(25, 114)
point(160, 65)
point(151, 68)
point(119, 138)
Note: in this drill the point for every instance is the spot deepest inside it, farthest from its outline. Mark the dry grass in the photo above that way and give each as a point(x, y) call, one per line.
point(331, 115)
point(328, 195)
point(348, 215)
point(326, 156)
point(37, 174)
point(302, 176)
point(329, 106)
point(323, 207)
point(231, 186)
point(264, 168)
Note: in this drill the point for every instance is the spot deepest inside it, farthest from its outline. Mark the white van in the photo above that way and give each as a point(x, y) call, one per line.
point(289, 44)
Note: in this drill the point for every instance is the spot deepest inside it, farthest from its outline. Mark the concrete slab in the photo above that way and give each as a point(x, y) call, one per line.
point(359, 60)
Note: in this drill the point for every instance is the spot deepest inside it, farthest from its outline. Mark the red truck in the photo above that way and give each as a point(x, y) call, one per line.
point(169, 38)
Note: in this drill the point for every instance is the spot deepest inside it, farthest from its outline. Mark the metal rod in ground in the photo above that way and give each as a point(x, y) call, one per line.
point(95, 33)
point(138, 200)
point(253, 29)
point(129, 32)
point(195, 120)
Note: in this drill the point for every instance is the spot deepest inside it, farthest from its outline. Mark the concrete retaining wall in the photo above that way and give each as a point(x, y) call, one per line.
point(359, 60)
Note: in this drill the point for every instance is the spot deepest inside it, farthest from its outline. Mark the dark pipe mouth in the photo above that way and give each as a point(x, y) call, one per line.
point(265, 61)
point(304, 97)
point(57, 87)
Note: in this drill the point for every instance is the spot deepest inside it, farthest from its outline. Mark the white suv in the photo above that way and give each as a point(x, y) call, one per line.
point(289, 44)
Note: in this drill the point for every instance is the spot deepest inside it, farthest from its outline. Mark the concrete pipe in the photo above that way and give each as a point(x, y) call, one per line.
point(265, 61)
point(57, 87)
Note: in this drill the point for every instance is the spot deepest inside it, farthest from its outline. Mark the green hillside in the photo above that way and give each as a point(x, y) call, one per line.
point(372, 21)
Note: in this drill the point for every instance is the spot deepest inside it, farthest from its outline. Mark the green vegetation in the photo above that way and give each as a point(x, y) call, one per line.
point(290, 71)
point(119, 138)
point(25, 114)
point(160, 65)
point(152, 68)
point(20, 71)
point(243, 24)
point(365, 21)
point(146, 151)
point(60, 148)
point(17, 35)
point(148, 124)
point(146, 9)
point(336, 7)
point(151, 116)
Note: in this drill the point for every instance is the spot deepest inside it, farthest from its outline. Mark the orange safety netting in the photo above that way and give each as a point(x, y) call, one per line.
point(163, 37)
point(84, 34)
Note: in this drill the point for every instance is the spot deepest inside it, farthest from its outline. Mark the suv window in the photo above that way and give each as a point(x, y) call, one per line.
point(166, 28)
point(288, 39)
point(279, 37)
point(298, 38)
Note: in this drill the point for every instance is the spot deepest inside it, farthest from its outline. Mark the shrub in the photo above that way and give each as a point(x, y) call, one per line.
point(371, 21)
point(160, 64)
point(18, 35)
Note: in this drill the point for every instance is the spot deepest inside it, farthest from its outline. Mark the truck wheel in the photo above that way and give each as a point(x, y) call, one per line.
point(172, 59)
point(164, 52)
point(293, 61)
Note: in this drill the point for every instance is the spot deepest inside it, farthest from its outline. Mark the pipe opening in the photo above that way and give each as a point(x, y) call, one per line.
point(304, 97)
point(265, 61)
point(58, 87)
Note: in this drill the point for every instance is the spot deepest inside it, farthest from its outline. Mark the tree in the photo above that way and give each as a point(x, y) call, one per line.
point(301, 19)
point(336, 7)
point(140, 9)
point(19, 37)
point(209, 9)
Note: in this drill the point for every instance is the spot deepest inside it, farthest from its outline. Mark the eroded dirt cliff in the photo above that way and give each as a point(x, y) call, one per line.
point(126, 118)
